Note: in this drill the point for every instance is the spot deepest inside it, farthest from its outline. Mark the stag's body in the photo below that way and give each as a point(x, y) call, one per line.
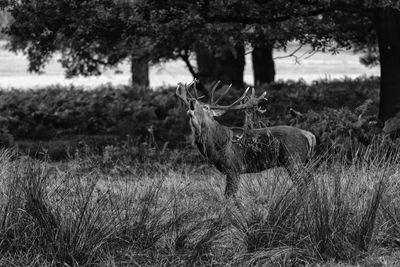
point(255, 150)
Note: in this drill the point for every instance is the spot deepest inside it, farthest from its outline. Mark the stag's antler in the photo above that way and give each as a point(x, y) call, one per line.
point(182, 91)
point(248, 101)
point(228, 87)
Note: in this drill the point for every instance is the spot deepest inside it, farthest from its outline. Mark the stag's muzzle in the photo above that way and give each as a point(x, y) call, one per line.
point(190, 113)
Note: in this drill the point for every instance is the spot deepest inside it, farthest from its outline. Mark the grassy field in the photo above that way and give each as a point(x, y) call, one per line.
point(106, 210)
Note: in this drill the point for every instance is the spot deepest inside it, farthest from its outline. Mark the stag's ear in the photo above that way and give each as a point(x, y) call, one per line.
point(218, 112)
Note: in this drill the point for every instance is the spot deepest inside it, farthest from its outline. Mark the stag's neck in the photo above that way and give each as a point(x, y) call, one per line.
point(213, 140)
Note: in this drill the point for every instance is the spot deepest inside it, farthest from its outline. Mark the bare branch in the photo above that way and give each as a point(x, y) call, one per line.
point(313, 52)
point(293, 54)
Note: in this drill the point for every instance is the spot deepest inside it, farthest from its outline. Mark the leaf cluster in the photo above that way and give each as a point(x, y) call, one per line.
point(89, 34)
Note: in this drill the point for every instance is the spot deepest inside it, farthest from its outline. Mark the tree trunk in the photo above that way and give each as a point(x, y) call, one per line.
point(263, 64)
point(205, 66)
point(140, 72)
point(228, 67)
point(388, 28)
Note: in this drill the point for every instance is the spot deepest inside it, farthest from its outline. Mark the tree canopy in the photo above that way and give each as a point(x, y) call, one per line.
point(93, 33)
point(87, 33)
point(325, 24)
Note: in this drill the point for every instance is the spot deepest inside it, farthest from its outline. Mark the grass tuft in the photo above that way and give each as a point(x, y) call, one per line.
point(79, 213)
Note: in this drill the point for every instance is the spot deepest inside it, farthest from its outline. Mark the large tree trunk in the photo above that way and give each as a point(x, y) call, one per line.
point(139, 72)
point(263, 64)
point(228, 67)
point(205, 65)
point(388, 28)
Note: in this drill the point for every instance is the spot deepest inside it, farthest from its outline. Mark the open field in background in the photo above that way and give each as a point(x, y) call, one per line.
point(319, 66)
point(113, 210)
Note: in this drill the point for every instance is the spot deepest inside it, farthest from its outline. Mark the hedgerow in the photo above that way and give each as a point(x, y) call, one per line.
point(52, 112)
point(335, 111)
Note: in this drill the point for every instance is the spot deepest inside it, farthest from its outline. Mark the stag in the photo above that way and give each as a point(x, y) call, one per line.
point(236, 151)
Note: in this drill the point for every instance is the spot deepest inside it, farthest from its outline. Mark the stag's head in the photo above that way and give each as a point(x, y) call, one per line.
point(202, 115)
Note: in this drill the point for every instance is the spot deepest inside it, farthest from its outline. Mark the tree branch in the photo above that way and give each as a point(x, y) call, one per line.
point(185, 57)
point(313, 12)
point(346, 7)
point(293, 54)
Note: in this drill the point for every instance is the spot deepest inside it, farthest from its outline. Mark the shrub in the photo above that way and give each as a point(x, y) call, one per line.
point(155, 117)
point(320, 94)
point(337, 129)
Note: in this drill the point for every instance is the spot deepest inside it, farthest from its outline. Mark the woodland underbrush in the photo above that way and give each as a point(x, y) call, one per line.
point(94, 210)
point(336, 111)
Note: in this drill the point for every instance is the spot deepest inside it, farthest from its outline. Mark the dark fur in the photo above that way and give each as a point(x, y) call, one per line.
point(257, 150)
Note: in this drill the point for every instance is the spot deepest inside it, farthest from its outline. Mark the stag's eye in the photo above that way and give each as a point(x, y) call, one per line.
point(206, 108)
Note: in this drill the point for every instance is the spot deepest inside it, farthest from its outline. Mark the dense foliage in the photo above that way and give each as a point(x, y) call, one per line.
point(335, 111)
point(88, 34)
point(55, 112)
point(92, 34)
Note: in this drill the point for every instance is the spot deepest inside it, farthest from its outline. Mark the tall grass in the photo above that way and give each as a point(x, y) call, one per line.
point(76, 214)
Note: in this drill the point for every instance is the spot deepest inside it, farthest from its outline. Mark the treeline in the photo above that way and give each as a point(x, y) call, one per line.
point(91, 35)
